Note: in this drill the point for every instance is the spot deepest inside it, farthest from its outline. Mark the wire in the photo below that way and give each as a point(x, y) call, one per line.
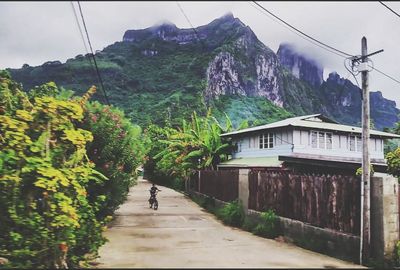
point(351, 71)
point(187, 19)
point(83, 38)
point(79, 26)
point(317, 43)
point(301, 32)
point(389, 8)
point(314, 43)
point(94, 58)
point(381, 72)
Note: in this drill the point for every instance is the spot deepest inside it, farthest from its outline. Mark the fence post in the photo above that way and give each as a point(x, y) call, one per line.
point(244, 188)
point(198, 183)
point(384, 215)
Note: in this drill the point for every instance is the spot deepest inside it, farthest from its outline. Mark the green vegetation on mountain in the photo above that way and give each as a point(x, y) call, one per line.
point(161, 74)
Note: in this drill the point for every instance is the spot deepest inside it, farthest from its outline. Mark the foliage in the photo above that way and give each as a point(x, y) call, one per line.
point(44, 175)
point(232, 213)
point(397, 254)
point(157, 136)
point(177, 153)
point(393, 162)
point(206, 202)
point(247, 111)
point(168, 86)
point(371, 170)
point(268, 224)
point(117, 150)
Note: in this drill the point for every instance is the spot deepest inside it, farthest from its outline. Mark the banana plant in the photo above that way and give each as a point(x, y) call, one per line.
point(196, 145)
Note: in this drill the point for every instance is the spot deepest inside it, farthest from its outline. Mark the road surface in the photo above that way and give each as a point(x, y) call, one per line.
point(180, 234)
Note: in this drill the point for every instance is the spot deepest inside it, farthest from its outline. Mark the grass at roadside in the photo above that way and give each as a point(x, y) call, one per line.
point(232, 214)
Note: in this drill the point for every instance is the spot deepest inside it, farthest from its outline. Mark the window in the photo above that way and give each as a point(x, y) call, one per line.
point(266, 141)
point(355, 143)
point(314, 135)
point(328, 140)
point(322, 140)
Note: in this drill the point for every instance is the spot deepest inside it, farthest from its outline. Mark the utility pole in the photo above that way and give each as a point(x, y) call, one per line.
point(365, 179)
point(365, 231)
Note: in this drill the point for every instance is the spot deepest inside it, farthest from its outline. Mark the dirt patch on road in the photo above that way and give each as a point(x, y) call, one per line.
point(145, 235)
point(146, 249)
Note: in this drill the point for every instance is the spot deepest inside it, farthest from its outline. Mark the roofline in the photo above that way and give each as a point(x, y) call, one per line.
point(257, 128)
point(383, 134)
point(263, 127)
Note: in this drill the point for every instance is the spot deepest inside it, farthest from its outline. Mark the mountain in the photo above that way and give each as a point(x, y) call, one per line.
point(162, 73)
point(301, 67)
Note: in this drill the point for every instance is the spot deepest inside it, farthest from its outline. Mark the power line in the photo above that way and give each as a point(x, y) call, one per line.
point(388, 76)
point(94, 58)
point(301, 32)
point(79, 26)
point(317, 43)
point(303, 37)
point(398, 15)
point(187, 19)
point(83, 38)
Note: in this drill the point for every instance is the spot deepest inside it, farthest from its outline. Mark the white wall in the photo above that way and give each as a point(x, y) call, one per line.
point(287, 141)
point(249, 146)
point(340, 146)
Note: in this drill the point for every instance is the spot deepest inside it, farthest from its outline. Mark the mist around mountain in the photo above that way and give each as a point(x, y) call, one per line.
point(162, 73)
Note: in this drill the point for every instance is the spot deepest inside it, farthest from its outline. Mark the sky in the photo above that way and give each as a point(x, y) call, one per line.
point(36, 32)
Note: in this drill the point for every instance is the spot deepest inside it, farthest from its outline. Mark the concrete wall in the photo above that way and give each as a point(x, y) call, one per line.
point(333, 243)
point(384, 223)
point(384, 215)
point(244, 187)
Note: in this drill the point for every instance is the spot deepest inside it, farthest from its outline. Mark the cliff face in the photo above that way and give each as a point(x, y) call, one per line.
point(163, 72)
point(245, 69)
point(302, 68)
point(343, 101)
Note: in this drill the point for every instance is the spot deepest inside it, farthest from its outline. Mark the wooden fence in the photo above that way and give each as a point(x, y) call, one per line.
point(326, 201)
point(222, 185)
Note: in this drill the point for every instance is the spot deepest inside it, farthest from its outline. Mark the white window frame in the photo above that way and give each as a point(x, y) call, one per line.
point(318, 145)
point(357, 143)
point(265, 139)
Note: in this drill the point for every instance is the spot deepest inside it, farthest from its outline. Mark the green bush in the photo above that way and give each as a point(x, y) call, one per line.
point(117, 150)
point(397, 254)
point(249, 224)
point(232, 213)
point(45, 212)
point(268, 225)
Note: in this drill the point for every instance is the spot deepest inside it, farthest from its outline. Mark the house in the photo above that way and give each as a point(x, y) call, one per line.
point(311, 141)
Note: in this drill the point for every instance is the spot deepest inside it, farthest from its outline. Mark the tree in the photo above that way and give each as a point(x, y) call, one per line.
point(45, 216)
point(117, 150)
point(195, 145)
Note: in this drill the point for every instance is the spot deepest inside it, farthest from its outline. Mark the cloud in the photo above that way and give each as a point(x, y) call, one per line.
point(36, 32)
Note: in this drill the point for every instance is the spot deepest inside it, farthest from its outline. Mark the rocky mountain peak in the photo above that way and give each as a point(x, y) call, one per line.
point(170, 32)
point(300, 66)
point(227, 17)
point(335, 78)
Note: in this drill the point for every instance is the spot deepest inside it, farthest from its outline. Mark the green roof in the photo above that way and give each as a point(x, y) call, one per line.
point(252, 162)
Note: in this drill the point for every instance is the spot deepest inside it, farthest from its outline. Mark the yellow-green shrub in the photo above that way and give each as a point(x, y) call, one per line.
point(44, 173)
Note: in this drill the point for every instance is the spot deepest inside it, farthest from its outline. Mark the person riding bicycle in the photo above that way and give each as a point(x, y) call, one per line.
point(153, 190)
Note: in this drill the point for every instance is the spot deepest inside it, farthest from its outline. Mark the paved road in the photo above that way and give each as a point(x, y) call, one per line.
point(180, 234)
